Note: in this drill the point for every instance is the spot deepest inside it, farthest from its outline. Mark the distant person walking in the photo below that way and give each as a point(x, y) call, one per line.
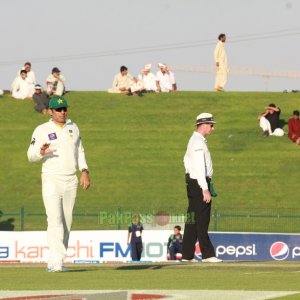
point(221, 63)
point(199, 171)
point(58, 145)
point(269, 121)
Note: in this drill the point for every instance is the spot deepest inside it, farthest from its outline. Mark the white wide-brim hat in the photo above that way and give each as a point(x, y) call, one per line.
point(205, 118)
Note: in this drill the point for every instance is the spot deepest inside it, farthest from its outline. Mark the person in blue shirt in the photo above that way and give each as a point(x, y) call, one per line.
point(175, 242)
point(135, 237)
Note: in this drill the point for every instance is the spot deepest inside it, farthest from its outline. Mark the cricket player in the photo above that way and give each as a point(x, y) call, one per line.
point(221, 64)
point(198, 173)
point(58, 145)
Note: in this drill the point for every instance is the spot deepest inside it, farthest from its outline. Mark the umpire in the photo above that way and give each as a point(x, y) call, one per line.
point(199, 170)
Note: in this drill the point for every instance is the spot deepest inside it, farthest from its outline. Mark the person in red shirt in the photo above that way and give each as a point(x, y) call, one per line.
point(294, 127)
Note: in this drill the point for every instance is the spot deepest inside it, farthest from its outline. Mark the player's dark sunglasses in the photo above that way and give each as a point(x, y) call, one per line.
point(61, 109)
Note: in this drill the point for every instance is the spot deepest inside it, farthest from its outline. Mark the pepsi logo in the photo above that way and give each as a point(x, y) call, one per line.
point(279, 251)
point(198, 253)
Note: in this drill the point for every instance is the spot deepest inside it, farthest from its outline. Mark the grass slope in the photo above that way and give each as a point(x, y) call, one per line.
point(135, 147)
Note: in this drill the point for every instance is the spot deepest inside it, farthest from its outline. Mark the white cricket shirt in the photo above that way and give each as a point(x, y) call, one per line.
point(68, 152)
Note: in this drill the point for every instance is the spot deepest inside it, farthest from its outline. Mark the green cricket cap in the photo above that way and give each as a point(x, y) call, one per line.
point(58, 102)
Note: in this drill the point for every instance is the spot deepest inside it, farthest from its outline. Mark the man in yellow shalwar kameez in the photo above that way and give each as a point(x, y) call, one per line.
point(221, 64)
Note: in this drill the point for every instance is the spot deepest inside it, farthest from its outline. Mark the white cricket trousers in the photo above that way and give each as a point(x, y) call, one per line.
point(59, 194)
point(266, 126)
point(221, 77)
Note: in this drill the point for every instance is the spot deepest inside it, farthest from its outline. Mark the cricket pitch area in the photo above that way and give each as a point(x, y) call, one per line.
point(172, 280)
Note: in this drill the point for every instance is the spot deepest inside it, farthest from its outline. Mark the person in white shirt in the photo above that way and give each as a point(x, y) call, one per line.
point(149, 79)
point(199, 171)
point(122, 82)
point(30, 77)
point(58, 145)
point(221, 64)
point(55, 83)
point(136, 87)
point(165, 79)
point(20, 88)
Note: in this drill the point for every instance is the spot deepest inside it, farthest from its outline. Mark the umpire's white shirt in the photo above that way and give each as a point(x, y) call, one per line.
point(65, 142)
point(197, 160)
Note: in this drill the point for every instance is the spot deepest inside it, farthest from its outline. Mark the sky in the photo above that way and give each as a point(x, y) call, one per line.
point(89, 40)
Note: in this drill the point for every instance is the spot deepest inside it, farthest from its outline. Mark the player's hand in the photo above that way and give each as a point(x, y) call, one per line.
point(45, 149)
point(217, 65)
point(206, 196)
point(85, 181)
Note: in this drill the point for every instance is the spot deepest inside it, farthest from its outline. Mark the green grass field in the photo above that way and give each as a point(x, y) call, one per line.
point(274, 276)
point(135, 147)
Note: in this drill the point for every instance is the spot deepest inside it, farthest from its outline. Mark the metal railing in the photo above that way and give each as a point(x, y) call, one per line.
point(257, 220)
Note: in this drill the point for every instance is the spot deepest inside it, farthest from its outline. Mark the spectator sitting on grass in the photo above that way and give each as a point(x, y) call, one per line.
point(122, 82)
point(30, 76)
point(269, 121)
point(55, 83)
point(165, 79)
point(136, 87)
point(294, 127)
point(20, 88)
point(175, 243)
point(149, 79)
point(41, 100)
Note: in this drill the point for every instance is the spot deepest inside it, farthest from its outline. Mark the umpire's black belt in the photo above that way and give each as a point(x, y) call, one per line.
point(187, 177)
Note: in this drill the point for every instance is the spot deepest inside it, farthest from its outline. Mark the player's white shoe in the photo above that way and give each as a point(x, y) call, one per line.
point(212, 260)
point(57, 269)
point(190, 260)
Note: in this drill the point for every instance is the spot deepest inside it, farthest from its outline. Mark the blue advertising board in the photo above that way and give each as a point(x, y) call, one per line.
point(256, 246)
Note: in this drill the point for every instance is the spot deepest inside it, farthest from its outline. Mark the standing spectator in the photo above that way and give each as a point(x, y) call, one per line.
point(58, 145)
point(149, 79)
point(55, 83)
point(199, 171)
point(134, 238)
point(122, 82)
point(20, 88)
point(269, 121)
point(175, 243)
point(41, 100)
point(294, 127)
point(165, 79)
point(221, 64)
point(30, 76)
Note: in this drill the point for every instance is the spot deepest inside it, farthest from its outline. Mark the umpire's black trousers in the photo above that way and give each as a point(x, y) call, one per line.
point(197, 222)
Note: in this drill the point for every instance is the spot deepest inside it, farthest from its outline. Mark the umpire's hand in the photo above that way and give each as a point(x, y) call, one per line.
point(206, 196)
